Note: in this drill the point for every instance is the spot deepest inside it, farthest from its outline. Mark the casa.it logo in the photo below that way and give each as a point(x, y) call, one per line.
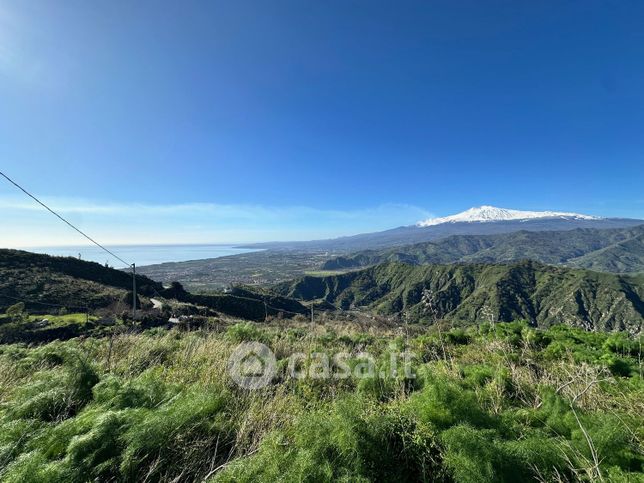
point(252, 365)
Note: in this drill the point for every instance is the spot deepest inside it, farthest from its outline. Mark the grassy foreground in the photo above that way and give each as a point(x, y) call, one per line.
point(503, 403)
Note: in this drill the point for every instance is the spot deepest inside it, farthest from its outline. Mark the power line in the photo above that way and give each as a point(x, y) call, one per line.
point(63, 219)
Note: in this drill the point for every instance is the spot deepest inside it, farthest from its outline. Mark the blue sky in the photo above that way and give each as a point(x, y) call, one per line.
point(241, 121)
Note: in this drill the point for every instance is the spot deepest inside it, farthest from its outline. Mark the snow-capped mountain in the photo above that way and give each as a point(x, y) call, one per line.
point(484, 220)
point(492, 213)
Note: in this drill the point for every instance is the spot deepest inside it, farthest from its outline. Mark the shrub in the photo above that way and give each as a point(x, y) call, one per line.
point(621, 344)
point(443, 403)
point(617, 365)
point(16, 312)
point(479, 455)
point(244, 332)
point(185, 434)
point(612, 439)
point(477, 375)
point(457, 337)
point(352, 442)
point(471, 455)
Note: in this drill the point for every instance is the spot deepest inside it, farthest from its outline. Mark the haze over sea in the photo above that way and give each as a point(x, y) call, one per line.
point(144, 254)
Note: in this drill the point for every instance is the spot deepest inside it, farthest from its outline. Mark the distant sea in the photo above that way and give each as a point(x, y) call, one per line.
point(144, 254)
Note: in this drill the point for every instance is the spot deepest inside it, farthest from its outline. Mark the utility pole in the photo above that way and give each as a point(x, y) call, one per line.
point(311, 313)
point(133, 291)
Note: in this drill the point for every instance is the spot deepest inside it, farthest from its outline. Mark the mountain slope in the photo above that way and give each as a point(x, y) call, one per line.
point(621, 257)
point(43, 281)
point(491, 213)
point(464, 294)
point(616, 250)
point(406, 235)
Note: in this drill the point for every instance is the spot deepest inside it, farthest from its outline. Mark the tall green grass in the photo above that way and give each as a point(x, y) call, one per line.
point(504, 403)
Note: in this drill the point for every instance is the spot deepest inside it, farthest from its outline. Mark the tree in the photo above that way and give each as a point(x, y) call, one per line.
point(16, 311)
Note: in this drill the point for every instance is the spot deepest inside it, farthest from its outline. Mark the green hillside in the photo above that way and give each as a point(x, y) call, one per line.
point(465, 294)
point(42, 281)
point(616, 250)
point(621, 257)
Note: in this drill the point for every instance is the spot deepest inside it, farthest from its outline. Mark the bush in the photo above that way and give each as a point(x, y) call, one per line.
point(617, 365)
point(352, 442)
point(471, 454)
point(16, 311)
point(479, 455)
point(244, 332)
point(477, 375)
point(183, 435)
point(443, 403)
point(457, 337)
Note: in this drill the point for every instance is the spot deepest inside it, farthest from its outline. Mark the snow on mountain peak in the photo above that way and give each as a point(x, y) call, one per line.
point(490, 213)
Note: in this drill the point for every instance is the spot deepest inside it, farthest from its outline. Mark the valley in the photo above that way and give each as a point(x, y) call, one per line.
point(473, 356)
point(261, 268)
point(318, 242)
point(614, 250)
